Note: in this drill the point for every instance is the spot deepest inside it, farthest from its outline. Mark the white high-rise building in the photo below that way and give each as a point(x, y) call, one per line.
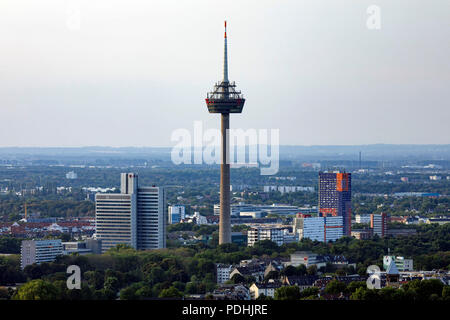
point(115, 219)
point(136, 216)
point(176, 213)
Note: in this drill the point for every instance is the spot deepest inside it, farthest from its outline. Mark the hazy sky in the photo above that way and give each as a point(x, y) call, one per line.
point(133, 71)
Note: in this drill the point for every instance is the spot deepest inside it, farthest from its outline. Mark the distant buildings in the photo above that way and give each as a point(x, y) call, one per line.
point(401, 263)
point(378, 224)
point(287, 189)
point(281, 209)
point(136, 216)
point(441, 220)
point(38, 251)
point(362, 218)
point(71, 175)
point(306, 258)
point(322, 229)
point(260, 233)
point(400, 232)
point(83, 247)
point(335, 197)
point(176, 213)
point(362, 234)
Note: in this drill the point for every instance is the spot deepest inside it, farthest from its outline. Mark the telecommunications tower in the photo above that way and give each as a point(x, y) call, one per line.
point(224, 99)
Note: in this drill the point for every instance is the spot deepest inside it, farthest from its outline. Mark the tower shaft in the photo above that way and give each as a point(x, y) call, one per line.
point(225, 215)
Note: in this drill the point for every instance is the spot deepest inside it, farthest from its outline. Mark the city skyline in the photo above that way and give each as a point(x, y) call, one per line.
point(145, 68)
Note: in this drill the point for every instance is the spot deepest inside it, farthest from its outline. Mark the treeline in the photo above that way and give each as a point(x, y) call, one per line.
point(12, 209)
point(416, 290)
point(132, 274)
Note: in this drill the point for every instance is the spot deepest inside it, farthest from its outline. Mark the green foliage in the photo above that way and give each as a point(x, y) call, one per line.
point(310, 292)
point(335, 287)
point(10, 245)
point(37, 290)
point(171, 292)
point(287, 293)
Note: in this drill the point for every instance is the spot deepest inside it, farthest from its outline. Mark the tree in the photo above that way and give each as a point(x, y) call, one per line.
point(171, 292)
point(111, 284)
point(446, 293)
point(264, 297)
point(287, 293)
point(335, 287)
point(237, 278)
point(37, 290)
point(312, 270)
point(309, 292)
point(354, 285)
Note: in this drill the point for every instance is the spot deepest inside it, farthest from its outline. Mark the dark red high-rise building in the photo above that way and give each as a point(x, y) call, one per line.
point(335, 197)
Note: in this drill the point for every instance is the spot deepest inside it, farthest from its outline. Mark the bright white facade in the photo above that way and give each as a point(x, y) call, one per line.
point(362, 218)
point(176, 213)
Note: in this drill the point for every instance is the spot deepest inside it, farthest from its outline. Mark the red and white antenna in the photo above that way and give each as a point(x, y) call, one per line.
point(225, 56)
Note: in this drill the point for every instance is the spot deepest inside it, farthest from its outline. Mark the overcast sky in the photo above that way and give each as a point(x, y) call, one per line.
point(130, 72)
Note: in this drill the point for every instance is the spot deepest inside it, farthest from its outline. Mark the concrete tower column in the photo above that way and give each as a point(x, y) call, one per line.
point(225, 214)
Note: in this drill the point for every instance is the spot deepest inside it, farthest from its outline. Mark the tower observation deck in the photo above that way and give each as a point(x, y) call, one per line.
point(225, 99)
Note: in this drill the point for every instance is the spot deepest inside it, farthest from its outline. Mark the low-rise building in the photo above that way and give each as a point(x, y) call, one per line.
point(38, 251)
point(223, 272)
point(231, 292)
point(362, 234)
point(266, 288)
point(302, 282)
point(255, 270)
point(401, 263)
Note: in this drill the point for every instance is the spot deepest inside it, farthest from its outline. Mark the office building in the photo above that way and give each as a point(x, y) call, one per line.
point(260, 233)
point(362, 234)
point(242, 209)
point(378, 224)
point(89, 246)
point(176, 213)
point(335, 197)
point(135, 217)
point(151, 218)
point(362, 218)
point(322, 229)
point(307, 259)
point(38, 251)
